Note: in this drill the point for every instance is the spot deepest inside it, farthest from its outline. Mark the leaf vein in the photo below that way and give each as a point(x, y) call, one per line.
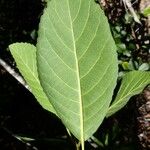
point(57, 75)
point(96, 60)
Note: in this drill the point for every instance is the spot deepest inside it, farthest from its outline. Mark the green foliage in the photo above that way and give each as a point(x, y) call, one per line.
point(77, 66)
point(132, 84)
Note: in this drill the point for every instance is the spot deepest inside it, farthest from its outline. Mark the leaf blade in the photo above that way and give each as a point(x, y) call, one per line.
point(76, 56)
point(25, 57)
point(132, 84)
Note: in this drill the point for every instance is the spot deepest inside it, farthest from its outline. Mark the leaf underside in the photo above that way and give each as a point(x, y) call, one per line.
point(77, 63)
point(133, 83)
point(25, 57)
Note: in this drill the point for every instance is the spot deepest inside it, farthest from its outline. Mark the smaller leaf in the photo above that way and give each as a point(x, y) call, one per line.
point(144, 67)
point(25, 57)
point(125, 65)
point(133, 83)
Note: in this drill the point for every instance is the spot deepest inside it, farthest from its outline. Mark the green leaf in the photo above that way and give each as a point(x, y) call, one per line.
point(146, 11)
point(133, 83)
point(77, 63)
point(25, 57)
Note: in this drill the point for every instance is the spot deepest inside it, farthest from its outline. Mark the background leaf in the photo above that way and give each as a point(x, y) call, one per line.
point(144, 67)
point(146, 11)
point(133, 83)
point(77, 63)
point(25, 57)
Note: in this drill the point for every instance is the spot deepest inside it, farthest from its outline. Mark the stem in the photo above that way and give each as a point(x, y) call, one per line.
point(78, 145)
point(13, 73)
point(82, 145)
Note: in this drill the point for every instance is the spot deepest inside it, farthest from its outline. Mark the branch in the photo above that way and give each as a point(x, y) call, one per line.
point(10, 70)
point(128, 4)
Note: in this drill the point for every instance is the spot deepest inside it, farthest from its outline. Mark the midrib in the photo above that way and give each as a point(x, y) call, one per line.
point(78, 79)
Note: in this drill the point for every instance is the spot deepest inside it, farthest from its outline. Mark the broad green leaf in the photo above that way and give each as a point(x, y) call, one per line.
point(77, 63)
point(133, 83)
point(25, 57)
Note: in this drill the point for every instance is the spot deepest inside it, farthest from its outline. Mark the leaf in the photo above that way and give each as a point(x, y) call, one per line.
point(25, 57)
point(144, 67)
point(146, 11)
point(133, 83)
point(77, 63)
